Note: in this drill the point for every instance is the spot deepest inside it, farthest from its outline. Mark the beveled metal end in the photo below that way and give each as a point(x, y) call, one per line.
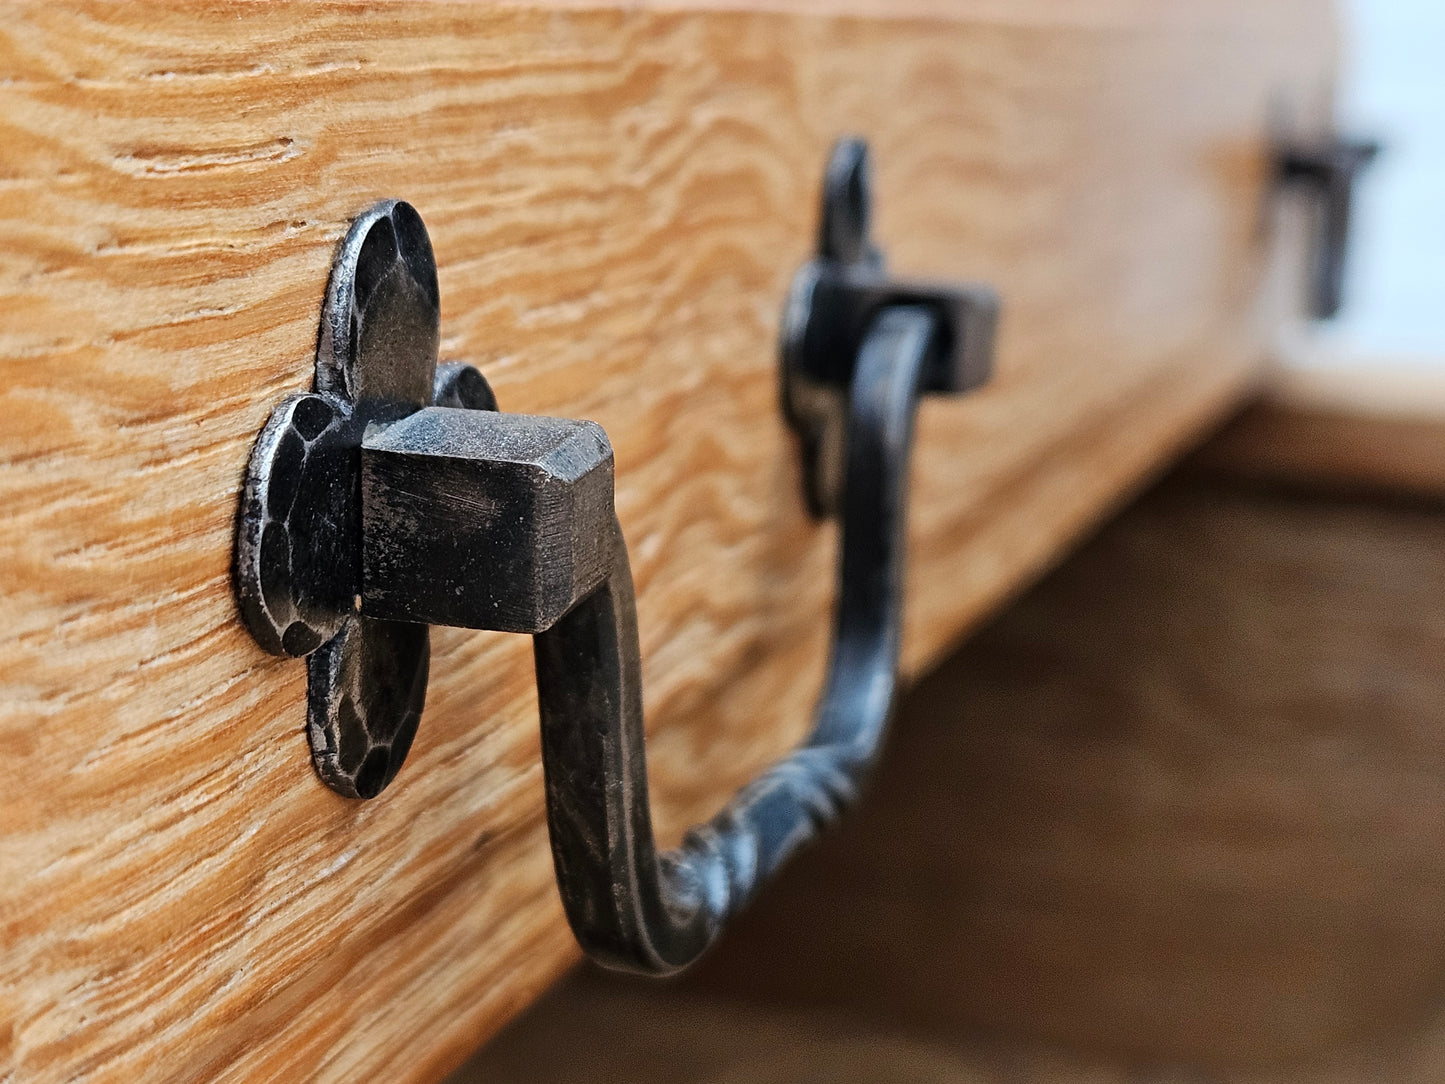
point(484, 520)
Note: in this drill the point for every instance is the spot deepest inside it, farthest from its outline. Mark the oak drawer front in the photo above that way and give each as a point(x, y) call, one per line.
point(618, 201)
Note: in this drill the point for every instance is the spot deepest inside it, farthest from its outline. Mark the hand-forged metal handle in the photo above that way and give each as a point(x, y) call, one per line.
point(395, 496)
point(630, 907)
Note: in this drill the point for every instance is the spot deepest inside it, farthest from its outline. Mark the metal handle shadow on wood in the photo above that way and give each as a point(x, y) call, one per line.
point(395, 497)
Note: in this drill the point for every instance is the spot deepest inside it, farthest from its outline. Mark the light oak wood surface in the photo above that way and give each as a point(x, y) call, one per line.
point(618, 199)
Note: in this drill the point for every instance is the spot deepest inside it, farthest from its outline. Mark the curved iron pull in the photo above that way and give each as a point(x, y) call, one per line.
point(630, 907)
point(395, 496)
point(859, 349)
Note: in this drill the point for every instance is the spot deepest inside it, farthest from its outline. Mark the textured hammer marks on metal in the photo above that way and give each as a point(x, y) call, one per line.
point(297, 568)
point(294, 482)
point(370, 514)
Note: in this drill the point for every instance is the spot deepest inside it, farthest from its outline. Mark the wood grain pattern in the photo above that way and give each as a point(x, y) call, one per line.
point(617, 198)
point(1180, 807)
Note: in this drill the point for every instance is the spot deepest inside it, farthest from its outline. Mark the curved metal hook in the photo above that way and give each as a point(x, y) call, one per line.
point(634, 909)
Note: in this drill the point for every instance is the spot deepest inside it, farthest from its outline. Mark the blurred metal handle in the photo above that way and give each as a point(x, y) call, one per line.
point(1328, 170)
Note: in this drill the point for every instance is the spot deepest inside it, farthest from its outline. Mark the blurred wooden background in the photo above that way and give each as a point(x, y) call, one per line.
point(1176, 815)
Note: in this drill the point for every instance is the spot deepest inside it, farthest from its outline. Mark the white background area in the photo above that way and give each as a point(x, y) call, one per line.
point(1393, 89)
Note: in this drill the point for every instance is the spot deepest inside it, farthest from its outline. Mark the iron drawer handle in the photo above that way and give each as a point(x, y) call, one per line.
point(1327, 169)
point(395, 496)
point(631, 908)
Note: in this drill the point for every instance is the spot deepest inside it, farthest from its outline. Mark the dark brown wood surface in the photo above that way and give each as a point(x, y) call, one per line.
point(1181, 805)
point(1175, 816)
point(1335, 448)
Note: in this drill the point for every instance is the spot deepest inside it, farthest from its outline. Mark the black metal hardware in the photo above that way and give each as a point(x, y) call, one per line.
point(833, 301)
point(631, 908)
point(297, 567)
point(1327, 169)
point(370, 512)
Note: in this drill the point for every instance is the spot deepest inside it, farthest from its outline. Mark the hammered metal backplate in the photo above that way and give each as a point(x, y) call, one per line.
point(297, 561)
